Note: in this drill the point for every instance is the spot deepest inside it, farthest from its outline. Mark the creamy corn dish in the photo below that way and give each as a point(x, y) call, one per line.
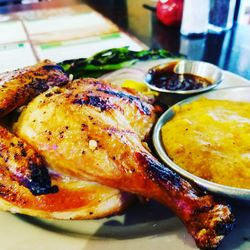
point(211, 139)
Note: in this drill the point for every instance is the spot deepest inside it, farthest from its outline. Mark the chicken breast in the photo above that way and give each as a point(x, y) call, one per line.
point(95, 134)
point(135, 108)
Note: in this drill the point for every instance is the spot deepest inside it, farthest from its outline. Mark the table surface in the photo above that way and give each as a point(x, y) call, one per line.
point(229, 50)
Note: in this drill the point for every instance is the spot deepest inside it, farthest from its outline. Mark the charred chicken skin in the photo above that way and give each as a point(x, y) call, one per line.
point(20, 86)
point(26, 185)
point(93, 131)
point(19, 161)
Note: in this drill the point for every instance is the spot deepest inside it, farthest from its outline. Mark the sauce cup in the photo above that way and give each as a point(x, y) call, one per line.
point(184, 67)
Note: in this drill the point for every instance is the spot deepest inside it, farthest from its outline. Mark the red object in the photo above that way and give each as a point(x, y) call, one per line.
point(169, 12)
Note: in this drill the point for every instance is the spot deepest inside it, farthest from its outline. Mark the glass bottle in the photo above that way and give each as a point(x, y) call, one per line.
point(221, 15)
point(195, 18)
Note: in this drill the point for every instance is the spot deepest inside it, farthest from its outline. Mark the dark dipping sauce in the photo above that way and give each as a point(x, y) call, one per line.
point(166, 78)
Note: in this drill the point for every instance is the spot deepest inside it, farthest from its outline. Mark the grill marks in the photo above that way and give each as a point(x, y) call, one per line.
point(96, 101)
point(19, 161)
point(130, 98)
point(19, 86)
point(101, 94)
point(157, 171)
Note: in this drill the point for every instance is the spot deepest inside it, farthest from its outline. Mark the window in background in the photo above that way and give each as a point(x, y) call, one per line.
point(244, 12)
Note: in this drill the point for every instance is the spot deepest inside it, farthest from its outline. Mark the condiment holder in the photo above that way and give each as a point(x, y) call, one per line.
point(184, 71)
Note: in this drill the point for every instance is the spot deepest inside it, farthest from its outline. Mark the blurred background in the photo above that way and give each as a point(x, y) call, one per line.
point(242, 8)
point(224, 43)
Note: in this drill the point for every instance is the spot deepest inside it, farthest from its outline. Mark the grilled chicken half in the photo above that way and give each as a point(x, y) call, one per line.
point(24, 177)
point(93, 131)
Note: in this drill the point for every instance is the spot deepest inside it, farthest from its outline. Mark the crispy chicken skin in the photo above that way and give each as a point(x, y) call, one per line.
point(75, 199)
point(27, 187)
point(19, 162)
point(23, 174)
point(137, 110)
point(19, 86)
point(93, 134)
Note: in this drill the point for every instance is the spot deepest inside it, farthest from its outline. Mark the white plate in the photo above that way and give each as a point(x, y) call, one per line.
point(146, 227)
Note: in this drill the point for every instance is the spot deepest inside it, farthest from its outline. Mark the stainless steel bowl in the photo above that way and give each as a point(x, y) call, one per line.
point(198, 68)
point(233, 94)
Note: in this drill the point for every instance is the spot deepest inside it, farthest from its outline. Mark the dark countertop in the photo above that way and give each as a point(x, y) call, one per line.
point(229, 50)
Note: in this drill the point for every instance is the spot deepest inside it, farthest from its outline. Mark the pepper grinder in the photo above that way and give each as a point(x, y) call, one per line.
point(195, 18)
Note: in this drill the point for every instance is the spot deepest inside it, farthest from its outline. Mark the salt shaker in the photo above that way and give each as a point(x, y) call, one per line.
point(195, 18)
point(221, 15)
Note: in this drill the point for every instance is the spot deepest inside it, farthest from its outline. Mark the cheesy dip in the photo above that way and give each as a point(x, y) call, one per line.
point(211, 139)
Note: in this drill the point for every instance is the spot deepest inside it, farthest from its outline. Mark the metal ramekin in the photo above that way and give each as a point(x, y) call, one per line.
point(233, 94)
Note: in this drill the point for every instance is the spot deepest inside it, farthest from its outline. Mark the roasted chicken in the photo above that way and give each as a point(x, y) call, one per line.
point(92, 130)
point(24, 174)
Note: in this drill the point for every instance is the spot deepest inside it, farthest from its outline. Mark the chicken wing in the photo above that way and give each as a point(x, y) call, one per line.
point(94, 134)
point(19, 86)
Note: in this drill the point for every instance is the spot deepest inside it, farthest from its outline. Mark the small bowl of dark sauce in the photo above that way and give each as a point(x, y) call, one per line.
point(184, 77)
